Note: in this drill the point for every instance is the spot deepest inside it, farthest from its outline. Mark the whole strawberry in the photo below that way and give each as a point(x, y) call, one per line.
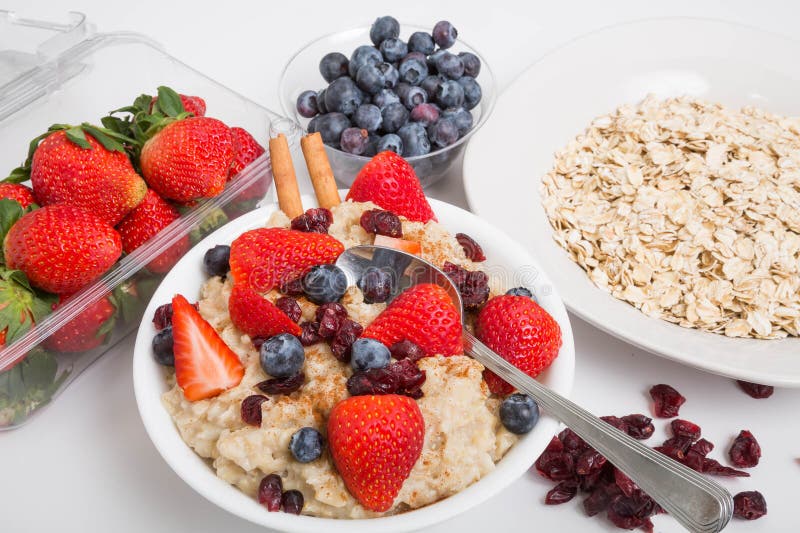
point(147, 219)
point(245, 150)
point(72, 167)
point(89, 329)
point(375, 442)
point(520, 331)
point(257, 316)
point(390, 182)
point(189, 159)
point(191, 104)
point(16, 191)
point(266, 258)
point(61, 248)
point(423, 314)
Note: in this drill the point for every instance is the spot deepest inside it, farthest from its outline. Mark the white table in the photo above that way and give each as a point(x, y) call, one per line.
point(87, 465)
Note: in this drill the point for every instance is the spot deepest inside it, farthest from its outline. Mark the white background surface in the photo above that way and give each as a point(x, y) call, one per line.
point(86, 464)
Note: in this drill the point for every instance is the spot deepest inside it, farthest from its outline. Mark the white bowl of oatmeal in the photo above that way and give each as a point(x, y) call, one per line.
point(467, 457)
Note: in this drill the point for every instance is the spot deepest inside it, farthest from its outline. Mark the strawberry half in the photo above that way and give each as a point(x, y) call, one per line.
point(390, 182)
point(204, 365)
point(266, 258)
point(16, 191)
point(375, 442)
point(423, 314)
point(89, 329)
point(520, 331)
point(255, 315)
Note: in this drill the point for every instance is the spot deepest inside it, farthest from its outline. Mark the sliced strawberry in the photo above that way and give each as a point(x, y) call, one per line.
point(257, 316)
point(411, 247)
point(204, 365)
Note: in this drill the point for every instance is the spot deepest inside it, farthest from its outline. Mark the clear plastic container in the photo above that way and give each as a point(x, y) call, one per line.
point(63, 72)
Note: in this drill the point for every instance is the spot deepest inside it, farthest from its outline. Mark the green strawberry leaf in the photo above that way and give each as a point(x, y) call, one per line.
point(10, 212)
point(169, 102)
point(29, 385)
point(77, 136)
point(21, 306)
point(18, 175)
point(108, 141)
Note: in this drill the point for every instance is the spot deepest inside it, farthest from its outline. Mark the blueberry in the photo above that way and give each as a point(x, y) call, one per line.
point(393, 49)
point(414, 96)
point(384, 28)
point(444, 34)
point(472, 91)
point(385, 97)
point(430, 84)
point(368, 117)
point(313, 124)
point(343, 96)
point(413, 70)
point(519, 413)
point(390, 142)
point(472, 65)
point(324, 283)
point(462, 117)
point(216, 261)
point(370, 78)
point(376, 283)
point(333, 65)
point(421, 42)
point(369, 353)
point(390, 73)
point(519, 291)
point(282, 356)
point(443, 133)
point(363, 55)
point(307, 104)
point(425, 114)
point(431, 60)
point(402, 89)
point(449, 65)
point(321, 108)
point(415, 139)
point(448, 94)
point(394, 116)
point(162, 347)
point(372, 145)
point(354, 141)
point(306, 445)
point(330, 126)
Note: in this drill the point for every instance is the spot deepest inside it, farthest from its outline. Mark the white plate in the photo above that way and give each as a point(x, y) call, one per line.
point(557, 97)
point(505, 257)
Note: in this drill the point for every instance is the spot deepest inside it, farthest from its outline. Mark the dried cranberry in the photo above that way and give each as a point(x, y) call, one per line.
point(749, 505)
point(555, 445)
point(745, 450)
point(411, 378)
point(376, 285)
point(290, 307)
point(473, 285)
point(680, 442)
point(292, 501)
point(616, 421)
point(629, 512)
point(713, 467)
point(561, 493)
point(162, 317)
point(373, 381)
point(667, 401)
point(572, 442)
point(382, 222)
point(330, 317)
point(251, 409)
point(282, 385)
point(639, 426)
point(344, 339)
point(694, 460)
point(703, 447)
point(589, 462)
point(556, 466)
point(589, 482)
point(406, 349)
point(672, 452)
point(258, 341)
point(292, 286)
point(597, 501)
point(315, 220)
point(270, 492)
point(472, 249)
point(625, 484)
point(309, 333)
point(755, 390)
point(684, 428)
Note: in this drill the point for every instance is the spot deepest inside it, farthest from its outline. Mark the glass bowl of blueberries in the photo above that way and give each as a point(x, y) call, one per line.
point(416, 91)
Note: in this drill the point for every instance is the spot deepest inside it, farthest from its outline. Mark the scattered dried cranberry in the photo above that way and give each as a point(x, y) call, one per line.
point(629, 512)
point(270, 492)
point(376, 284)
point(597, 501)
point(406, 349)
point(251, 409)
point(289, 305)
point(671, 452)
point(667, 401)
point(639, 426)
point(292, 287)
point(679, 442)
point(561, 493)
point(556, 466)
point(749, 505)
point(330, 317)
point(163, 316)
point(745, 450)
point(410, 376)
point(309, 333)
point(755, 390)
point(344, 339)
point(684, 428)
point(473, 285)
point(282, 385)
point(292, 501)
point(615, 421)
point(703, 447)
point(572, 442)
point(382, 222)
point(472, 249)
point(625, 484)
point(589, 462)
point(373, 381)
point(713, 467)
point(258, 341)
point(315, 220)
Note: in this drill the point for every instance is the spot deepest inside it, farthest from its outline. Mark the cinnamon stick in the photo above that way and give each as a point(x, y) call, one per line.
point(285, 177)
point(319, 168)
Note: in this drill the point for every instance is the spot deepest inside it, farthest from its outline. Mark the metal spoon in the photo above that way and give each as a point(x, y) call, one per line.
point(694, 501)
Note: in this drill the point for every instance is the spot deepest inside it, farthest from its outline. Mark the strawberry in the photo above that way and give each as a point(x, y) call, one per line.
point(146, 221)
point(520, 331)
point(204, 365)
point(61, 248)
point(390, 182)
point(257, 316)
point(89, 329)
point(245, 150)
point(16, 191)
point(188, 159)
point(266, 258)
point(423, 314)
point(191, 104)
point(375, 442)
point(77, 167)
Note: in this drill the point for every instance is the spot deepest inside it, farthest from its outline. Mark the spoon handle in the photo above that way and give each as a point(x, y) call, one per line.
point(698, 503)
